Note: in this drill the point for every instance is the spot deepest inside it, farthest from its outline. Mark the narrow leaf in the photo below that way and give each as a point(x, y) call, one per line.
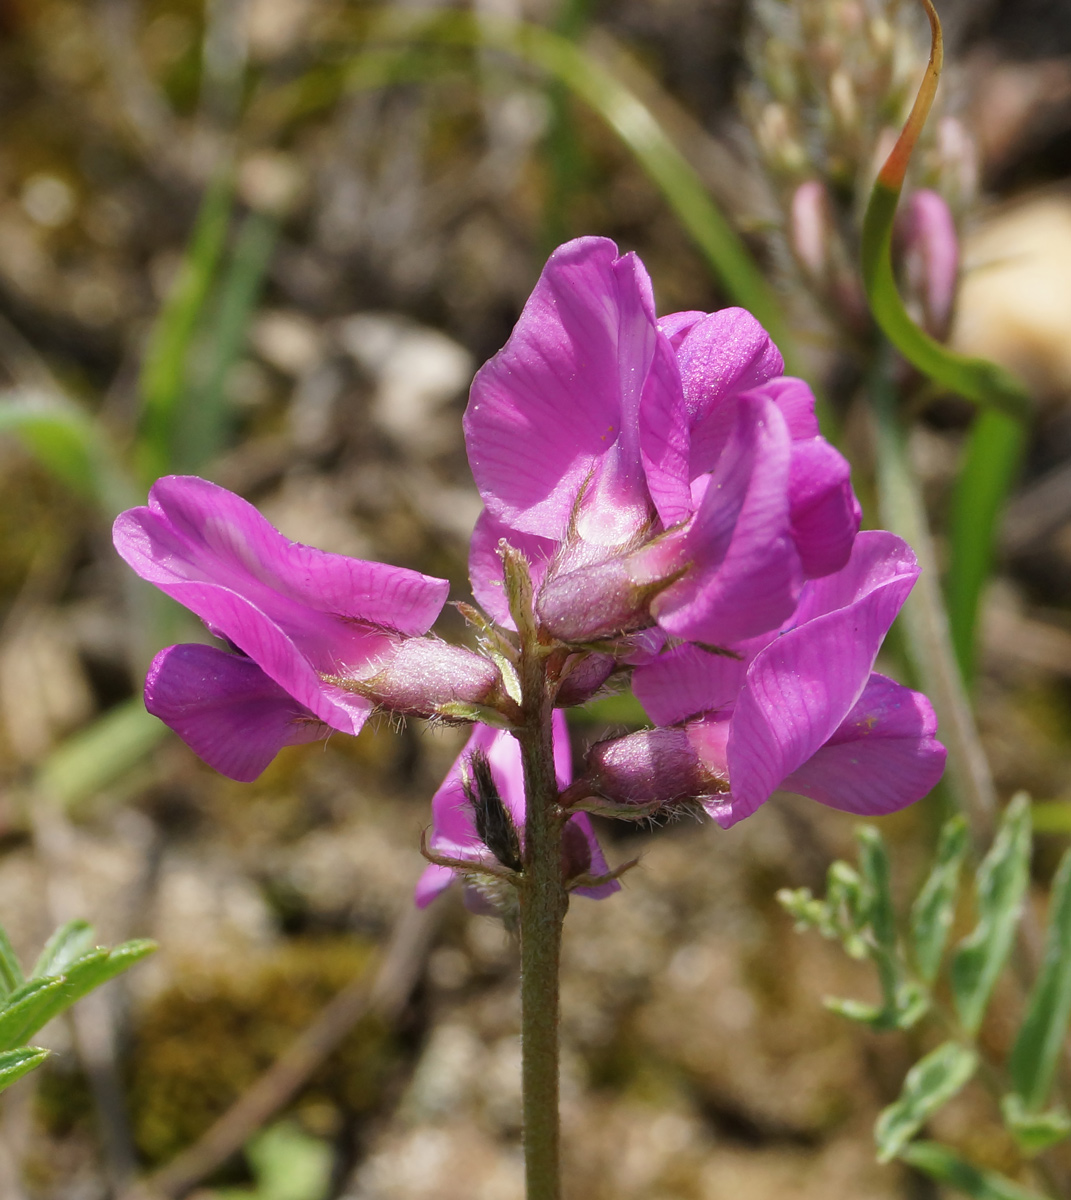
point(935, 906)
point(995, 450)
point(11, 976)
point(201, 415)
point(1034, 1131)
point(941, 1164)
point(1034, 1056)
point(929, 1085)
point(16, 1063)
point(98, 755)
point(1002, 882)
point(69, 942)
point(164, 372)
point(27, 1010)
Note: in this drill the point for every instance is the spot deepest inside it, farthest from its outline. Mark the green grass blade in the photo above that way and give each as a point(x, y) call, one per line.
point(201, 417)
point(103, 752)
point(929, 1085)
point(164, 373)
point(942, 1165)
point(935, 906)
point(994, 453)
point(15, 1063)
point(1033, 1060)
point(632, 121)
point(1002, 880)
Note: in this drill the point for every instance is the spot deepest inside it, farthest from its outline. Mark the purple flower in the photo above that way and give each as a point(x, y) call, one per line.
point(321, 638)
point(649, 470)
point(454, 821)
point(929, 252)
point(798, 710)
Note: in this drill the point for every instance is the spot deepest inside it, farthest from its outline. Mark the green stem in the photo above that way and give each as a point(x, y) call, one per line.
point(543, 901)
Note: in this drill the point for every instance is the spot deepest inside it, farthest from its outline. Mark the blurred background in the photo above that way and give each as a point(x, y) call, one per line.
point(269, 241)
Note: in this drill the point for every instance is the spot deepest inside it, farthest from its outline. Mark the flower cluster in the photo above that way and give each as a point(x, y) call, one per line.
point(660, 505)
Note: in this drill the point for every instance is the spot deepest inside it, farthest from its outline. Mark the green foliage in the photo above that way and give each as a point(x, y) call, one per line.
point(944, 1166)
point(68, 968)
point(287, 1164)
point(1002, 881)
point(857, 911)
point(929, 1085)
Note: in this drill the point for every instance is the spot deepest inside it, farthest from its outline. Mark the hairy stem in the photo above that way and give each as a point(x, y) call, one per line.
point(543, 901)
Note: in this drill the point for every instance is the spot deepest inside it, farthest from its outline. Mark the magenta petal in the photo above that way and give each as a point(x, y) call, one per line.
point(825, 513)
point(685, 682)
point(796, 401)
point(665, 438)
point(269, 647)
point(676, 326)
point(196, 532)
point(882, 757)
point(724, 353)
point(744, 573)
point(485, 563)
point(226, 709)
point(806, 681)
point(551, 405)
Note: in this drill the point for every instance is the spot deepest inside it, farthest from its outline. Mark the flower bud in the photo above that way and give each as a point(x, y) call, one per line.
point(582, 677)
point(595, 602)
point(929, 257)
point(811, 227)
point(425, 677)
point(672, 765)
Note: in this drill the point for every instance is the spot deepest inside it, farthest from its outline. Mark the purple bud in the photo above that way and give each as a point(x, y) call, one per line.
point(929, 257)
point(671, 765)
point(594, 602)
point(425, 677)
point(582, 677)
point(810, 227)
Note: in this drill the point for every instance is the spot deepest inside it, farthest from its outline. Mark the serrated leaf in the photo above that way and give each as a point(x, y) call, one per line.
point(27, 1010)
point(935, 905)
point(1034, 1131)
point(11, 976)
point(1032, 1063)
point(929, 1085)
point(1002, 881)
point(16, 1063)
point(944, 1166)
point(69, 942)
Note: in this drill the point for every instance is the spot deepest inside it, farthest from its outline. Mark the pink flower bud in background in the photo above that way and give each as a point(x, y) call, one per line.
point(929, 258)
point(425, 677)
point(811, 227)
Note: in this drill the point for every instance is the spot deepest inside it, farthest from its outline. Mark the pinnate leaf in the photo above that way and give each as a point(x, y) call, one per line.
point(944, 1166)
point(15, 1063)
point(933, 910)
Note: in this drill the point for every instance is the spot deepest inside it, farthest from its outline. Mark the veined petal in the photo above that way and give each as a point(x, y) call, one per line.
point(193, 532)
point(226, 709)
point(687, 681)
point(882, 757)
point(724, 353)
point(801, 687)
point(565, 390)
point(241, 623)
point(825, 513)
point(743, 571)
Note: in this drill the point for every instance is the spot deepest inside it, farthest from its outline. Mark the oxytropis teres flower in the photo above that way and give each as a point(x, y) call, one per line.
point(682, 523)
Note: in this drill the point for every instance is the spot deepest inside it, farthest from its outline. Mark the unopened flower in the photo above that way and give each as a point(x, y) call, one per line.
point(319, 639)
point(457, 821)
point(649, 470)
point(929, 255)
point(799, 710)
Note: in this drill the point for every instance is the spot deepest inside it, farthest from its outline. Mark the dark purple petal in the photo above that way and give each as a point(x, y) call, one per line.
point(557, 405)
point(226, 709)
point(882, 757)
point(801, 687)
